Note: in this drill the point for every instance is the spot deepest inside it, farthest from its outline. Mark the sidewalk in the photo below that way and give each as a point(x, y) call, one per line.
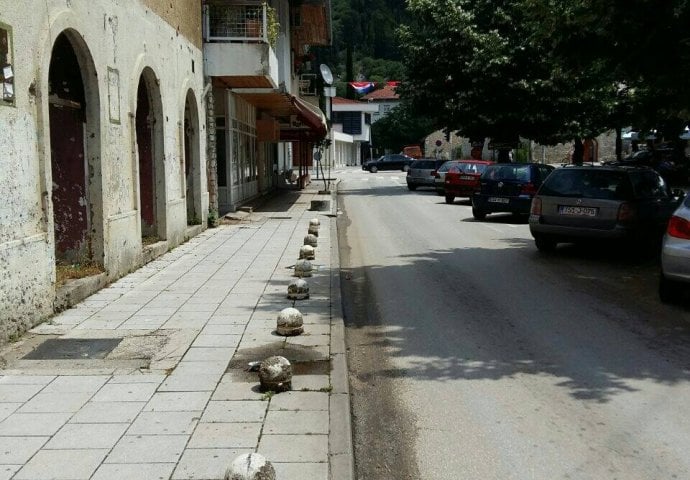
point(148, 379)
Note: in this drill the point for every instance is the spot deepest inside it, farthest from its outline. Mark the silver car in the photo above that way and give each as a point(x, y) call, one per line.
point(422, 173)
point(619, 204)
point(675, 255)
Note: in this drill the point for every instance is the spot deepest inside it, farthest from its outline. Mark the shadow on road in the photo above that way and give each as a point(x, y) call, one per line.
point(525, 322)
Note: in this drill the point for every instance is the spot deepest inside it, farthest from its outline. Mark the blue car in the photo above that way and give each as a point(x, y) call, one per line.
point(508, 187)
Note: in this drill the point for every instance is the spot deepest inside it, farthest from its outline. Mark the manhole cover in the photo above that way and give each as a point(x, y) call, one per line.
point(73, 349)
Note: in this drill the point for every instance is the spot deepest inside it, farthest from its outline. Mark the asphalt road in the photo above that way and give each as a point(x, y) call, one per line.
point(474, 356)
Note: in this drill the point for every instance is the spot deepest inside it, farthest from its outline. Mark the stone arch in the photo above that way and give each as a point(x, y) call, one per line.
point(191, 172)
point(151, 175)
point(75, 151)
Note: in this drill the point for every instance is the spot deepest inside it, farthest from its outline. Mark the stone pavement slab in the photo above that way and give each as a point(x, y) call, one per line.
point(176, 399)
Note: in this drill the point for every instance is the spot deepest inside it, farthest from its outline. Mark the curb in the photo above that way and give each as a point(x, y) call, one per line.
point(341, 458)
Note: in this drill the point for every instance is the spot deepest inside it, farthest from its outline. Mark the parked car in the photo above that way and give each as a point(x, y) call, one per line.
point(462, 178)
point(508, 187)
point(440, 176)
point(600, 202)
point(422, 173)
point(671, 164)
point(675, 255)
point(394, 161)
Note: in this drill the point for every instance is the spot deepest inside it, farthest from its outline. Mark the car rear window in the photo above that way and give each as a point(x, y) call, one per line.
point(599, 184)
point(507, 172)
point(424, 164)
point(447, 166)
point(477, 168)
point(648, 184)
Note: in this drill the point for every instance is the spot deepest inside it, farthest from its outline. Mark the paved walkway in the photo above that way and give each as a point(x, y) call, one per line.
point(161, 389)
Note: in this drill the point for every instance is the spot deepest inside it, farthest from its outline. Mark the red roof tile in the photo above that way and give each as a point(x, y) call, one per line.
point(343, 101)
point(385, 93)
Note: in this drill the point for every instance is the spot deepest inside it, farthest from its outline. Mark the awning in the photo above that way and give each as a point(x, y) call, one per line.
point(299, 120)
point(308, 116)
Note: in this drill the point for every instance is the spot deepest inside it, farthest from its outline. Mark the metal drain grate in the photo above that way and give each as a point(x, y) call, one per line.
point(280, 218)
point(73, 349)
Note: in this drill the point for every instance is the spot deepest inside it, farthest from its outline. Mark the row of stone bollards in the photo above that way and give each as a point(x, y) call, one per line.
point(275, 373)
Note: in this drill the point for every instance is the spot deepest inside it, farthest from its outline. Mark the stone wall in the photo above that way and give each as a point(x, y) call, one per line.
point(115, 42)
point(183, 15)
point(459, 147)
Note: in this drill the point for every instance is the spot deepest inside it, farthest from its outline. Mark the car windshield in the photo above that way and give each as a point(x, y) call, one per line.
point(507, 172)
point(599, 184)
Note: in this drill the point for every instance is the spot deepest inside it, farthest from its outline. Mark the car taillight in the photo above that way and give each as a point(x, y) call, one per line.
point(626, 212)
point(679, 228)
point(435, 174)
point(528, 189)
point(535, 209)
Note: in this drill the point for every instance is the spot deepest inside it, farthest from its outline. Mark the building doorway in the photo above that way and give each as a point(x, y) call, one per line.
point(149, 130)
point(192, 177)
point(74, 112)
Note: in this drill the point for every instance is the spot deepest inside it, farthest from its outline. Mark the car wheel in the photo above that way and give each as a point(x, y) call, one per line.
point(669, 291)
point(412, 187)
point(478, 213)
point(373, 169)
point(406, 168)
point(544, 243)
point(450, 199)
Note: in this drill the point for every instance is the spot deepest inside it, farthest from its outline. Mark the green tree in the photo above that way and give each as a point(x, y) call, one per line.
point(400, 127)
point(479, 68)
point(643, 46)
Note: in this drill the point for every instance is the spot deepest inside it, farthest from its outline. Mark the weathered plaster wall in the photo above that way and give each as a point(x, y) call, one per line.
point(120, 40)
point(183, 15)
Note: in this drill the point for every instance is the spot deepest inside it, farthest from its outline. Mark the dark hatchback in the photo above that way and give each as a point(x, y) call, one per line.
point(574, 204)
point(508, 187)
point(394, 161)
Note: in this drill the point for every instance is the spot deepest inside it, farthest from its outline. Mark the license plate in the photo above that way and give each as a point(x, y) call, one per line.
point(577, 211)
point(498, 200)
point(466, 177)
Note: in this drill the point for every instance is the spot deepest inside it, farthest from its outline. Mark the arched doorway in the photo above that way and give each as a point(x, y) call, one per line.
point(149, 129)
point(74, 112)
point(192, 177)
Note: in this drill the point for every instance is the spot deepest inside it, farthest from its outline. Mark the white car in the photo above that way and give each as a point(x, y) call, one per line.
point(674, 283)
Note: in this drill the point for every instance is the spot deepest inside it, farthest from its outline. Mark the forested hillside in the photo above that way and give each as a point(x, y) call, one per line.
point(365, 28)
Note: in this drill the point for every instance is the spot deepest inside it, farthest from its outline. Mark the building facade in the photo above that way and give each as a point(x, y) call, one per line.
point(351, 130)
point(262, 127)
point(103, 138)
point(385, 99)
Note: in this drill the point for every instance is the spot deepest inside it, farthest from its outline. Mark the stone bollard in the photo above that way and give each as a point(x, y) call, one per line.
point(250, 466)
point(311, 239)
point(298, 290)
point(290, 322)
point(303, 268)
point(275, 375)
point(314, 222)
point(307, 252)
point(313, 230)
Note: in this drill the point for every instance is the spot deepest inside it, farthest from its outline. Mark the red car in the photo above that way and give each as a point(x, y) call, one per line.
point(462, 179)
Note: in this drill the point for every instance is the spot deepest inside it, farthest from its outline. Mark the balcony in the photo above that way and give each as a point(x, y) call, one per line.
point(237, 45)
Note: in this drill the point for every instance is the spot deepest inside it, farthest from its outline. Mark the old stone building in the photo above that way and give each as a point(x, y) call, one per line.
point(103, 139)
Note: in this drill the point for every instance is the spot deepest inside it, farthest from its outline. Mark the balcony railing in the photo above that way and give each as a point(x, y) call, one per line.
point(235, 23)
